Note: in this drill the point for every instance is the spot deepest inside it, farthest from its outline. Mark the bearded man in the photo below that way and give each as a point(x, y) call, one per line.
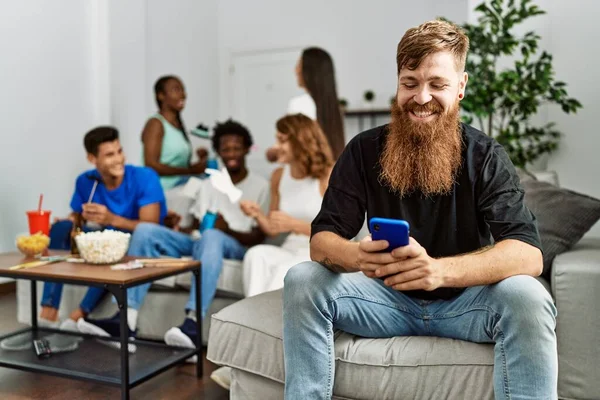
point(468, 271)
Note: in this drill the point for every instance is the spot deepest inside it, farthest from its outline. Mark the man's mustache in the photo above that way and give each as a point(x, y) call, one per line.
point(432, 106)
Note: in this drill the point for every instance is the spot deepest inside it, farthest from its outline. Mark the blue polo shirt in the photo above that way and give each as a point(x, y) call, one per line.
point(140, 187)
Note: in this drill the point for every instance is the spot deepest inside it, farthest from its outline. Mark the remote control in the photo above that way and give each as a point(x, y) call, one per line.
point(42, 347)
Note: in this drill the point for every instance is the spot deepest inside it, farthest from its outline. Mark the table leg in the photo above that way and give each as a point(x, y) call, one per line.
point(34, 321)
point(199, 364)
point(124, 342)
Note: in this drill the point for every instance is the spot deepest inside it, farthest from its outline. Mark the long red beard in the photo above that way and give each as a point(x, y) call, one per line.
point(423, 157)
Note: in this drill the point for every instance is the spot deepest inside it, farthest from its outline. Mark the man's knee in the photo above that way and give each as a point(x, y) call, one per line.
point(144, 231)
point(526, 299)
point(212, 235)
point(210, 239)
point(305, 278)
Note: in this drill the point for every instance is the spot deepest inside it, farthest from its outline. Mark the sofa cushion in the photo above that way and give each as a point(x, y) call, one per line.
point(563, 216)
point(230, 281)
point(575, 283)
point(248, 336)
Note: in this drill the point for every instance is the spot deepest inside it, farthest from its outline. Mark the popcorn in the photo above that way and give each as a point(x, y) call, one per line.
point(104, 247)
point(33, 244)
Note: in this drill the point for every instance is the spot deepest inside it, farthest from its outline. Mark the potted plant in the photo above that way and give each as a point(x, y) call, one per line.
point(343, 104)
point(369, 97)
point(503, 101)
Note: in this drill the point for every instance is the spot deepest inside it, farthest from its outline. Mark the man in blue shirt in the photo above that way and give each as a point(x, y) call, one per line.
point(124, 196)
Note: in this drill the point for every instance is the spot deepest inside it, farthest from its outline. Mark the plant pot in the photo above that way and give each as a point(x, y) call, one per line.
point(541, 164)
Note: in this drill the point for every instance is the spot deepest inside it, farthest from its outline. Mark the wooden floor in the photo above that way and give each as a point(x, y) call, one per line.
point(176, 383)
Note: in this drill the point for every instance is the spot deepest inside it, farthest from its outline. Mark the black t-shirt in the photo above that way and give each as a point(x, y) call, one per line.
point(485, 205)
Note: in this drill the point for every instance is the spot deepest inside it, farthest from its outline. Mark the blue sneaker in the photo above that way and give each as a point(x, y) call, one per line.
point(183, 336)
point(110, 327)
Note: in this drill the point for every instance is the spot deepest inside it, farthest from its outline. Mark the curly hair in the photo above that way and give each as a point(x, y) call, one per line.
point(309, 144)
point(230, 127)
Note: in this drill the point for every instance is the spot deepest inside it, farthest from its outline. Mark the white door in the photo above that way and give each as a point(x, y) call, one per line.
point(261, 85)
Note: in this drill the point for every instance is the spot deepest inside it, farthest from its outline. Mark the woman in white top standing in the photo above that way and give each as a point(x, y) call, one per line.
point(316, 75)
point(297, 191)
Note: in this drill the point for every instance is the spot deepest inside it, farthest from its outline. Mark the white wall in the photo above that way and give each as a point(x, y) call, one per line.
point(573, 32)
point(182, 40)
point(69, 65)
point(152, 38)
point(361, 37)
point(46, 105)
point(563, 30)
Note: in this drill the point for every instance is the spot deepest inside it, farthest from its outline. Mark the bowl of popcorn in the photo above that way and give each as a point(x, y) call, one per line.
point(32, 245)
point(104, 247)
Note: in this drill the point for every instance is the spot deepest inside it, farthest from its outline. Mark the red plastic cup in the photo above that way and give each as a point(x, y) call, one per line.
point(39, 221)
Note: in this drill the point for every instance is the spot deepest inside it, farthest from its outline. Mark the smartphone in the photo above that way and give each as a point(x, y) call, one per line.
point(395, 231)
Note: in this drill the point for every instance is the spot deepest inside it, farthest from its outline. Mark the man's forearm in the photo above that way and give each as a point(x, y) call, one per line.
point(493, 264)
point(126, 224)
point(333, 252)
point(247, 239)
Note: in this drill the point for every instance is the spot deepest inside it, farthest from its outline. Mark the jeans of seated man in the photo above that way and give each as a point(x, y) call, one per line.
point(151, 240)
point(60, 239)
point(517, 314)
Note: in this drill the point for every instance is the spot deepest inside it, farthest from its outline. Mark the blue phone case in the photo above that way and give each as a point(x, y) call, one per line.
point(395, 231)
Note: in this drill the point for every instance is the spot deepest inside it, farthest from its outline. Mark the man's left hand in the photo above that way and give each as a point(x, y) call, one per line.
point(172, 220)
point(414, 270)
point(97, 213)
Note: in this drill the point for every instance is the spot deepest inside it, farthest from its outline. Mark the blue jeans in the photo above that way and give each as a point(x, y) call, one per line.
point(517, 314)
point(60, 239)
point(53, 293)
point(151, 240)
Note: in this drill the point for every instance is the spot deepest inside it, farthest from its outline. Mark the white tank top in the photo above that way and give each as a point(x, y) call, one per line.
point(301, 199)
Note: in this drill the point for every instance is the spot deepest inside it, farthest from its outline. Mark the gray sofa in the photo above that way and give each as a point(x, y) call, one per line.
point(247, 336)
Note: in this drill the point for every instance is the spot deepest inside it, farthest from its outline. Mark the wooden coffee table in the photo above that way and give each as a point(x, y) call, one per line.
point(93, 360)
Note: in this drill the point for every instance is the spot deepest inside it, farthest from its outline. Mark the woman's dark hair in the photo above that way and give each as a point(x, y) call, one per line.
point(94, 138)
point(319, 80)
point(159, 87)
point(230, 127)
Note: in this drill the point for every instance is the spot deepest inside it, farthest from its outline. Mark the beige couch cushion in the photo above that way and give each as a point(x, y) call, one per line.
point(248, 336)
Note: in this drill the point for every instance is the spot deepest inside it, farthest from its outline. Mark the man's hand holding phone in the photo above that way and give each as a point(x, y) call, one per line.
point(403, 265)
point(413, 269)
point(371, 258)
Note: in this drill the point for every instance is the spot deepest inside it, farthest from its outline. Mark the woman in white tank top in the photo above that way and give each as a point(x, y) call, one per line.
point(296, 194)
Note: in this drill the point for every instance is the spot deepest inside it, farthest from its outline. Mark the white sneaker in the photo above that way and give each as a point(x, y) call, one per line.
point(174, 337)
point(69, 325)
point(222, 377)
point(46, 323)
point(91, 329)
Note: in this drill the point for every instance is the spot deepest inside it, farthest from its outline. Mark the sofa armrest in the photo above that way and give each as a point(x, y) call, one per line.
point(576, 291)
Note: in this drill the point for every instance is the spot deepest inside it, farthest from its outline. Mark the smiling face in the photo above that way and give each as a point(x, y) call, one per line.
point(233, 151)
point(423, 148)
point(431, 90)
point(110, 160)
point(173, 96)
point(285, 153)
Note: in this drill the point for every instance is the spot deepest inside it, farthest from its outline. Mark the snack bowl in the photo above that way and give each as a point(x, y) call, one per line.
point(105, 247)
point(32, 245)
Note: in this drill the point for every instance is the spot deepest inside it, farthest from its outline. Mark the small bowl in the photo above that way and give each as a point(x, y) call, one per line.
point(106, 247)
point(32, 245)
